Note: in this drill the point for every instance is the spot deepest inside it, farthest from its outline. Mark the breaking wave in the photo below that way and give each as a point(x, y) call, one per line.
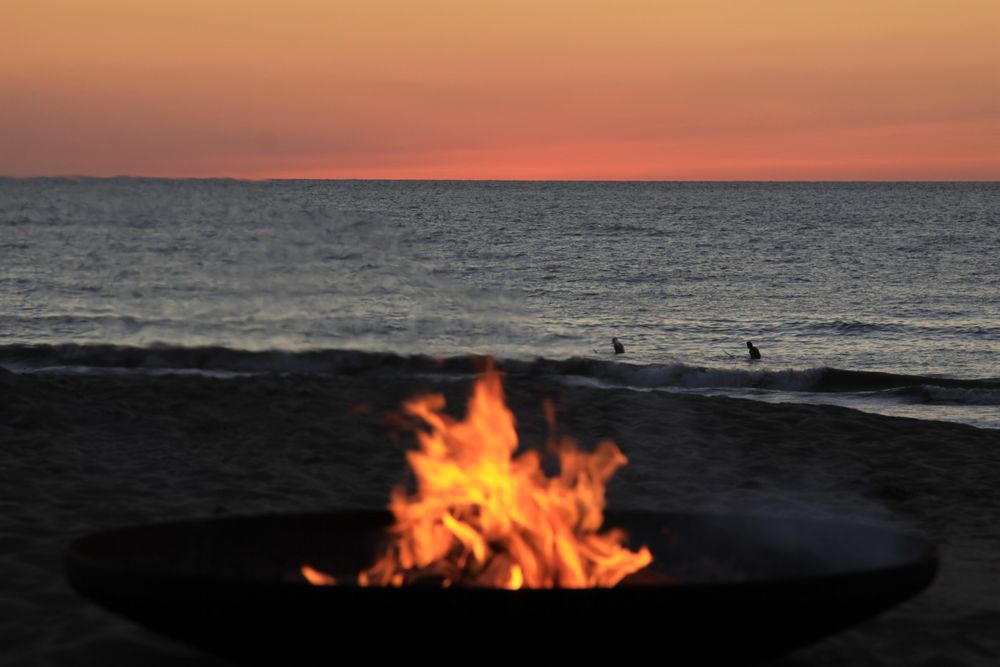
point(159, 359)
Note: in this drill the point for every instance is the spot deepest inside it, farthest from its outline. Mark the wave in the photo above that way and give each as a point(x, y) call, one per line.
point(56, 358)
point(157, 359)
point(936, 395)
point(860, 328)
point(818, 380)
point(852, 326)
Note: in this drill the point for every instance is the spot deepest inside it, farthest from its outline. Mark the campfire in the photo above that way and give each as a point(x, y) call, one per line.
point(479, 517)
point(483, 514)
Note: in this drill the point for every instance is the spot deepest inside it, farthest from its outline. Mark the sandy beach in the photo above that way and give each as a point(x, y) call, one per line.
point(80, 454)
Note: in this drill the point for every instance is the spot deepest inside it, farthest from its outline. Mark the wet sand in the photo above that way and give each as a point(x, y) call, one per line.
point(82, 454)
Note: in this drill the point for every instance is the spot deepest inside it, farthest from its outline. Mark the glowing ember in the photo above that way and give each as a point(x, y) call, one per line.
point(317, 578)
point(481, 516)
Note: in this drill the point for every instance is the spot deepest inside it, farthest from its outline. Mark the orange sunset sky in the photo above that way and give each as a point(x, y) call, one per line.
point(542, 89)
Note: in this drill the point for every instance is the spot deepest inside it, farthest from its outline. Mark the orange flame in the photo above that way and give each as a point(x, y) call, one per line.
point(481, 516)
point(317, 578)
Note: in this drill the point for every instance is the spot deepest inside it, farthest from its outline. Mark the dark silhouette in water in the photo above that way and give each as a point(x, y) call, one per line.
point(754, 352)
point(619, 348)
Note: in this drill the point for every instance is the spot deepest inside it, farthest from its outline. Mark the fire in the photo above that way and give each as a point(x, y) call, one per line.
point(317, 578)
point(481, 516)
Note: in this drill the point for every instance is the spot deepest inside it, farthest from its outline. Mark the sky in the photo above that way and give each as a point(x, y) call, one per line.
point(519, 89)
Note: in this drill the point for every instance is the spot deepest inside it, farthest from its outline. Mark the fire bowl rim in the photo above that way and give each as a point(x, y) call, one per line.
point(922, 553)
point(272, 620)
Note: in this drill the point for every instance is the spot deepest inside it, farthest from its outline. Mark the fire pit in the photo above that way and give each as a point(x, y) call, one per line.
point(489, 555)
point(719, 588)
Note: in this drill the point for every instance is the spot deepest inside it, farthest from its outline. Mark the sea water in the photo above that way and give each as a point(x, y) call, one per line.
point(879, 296)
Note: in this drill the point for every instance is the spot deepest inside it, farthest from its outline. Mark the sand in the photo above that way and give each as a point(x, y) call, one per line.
point(83, 454)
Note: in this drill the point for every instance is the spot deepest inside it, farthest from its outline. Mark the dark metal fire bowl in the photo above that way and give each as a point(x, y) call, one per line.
point(737, 589)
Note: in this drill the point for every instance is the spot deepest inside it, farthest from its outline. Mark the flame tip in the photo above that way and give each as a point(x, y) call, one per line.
point(482, 515)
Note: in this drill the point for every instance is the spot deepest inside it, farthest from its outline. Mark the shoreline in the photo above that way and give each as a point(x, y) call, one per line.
point(972, 401)
point(86, 453)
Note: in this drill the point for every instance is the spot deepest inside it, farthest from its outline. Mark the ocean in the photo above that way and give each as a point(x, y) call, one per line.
point(883, 297)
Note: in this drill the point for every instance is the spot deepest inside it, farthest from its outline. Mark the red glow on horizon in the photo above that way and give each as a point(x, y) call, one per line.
point(517, 90)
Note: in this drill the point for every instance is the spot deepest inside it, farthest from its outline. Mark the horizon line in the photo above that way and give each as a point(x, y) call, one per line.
point(121, 177)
